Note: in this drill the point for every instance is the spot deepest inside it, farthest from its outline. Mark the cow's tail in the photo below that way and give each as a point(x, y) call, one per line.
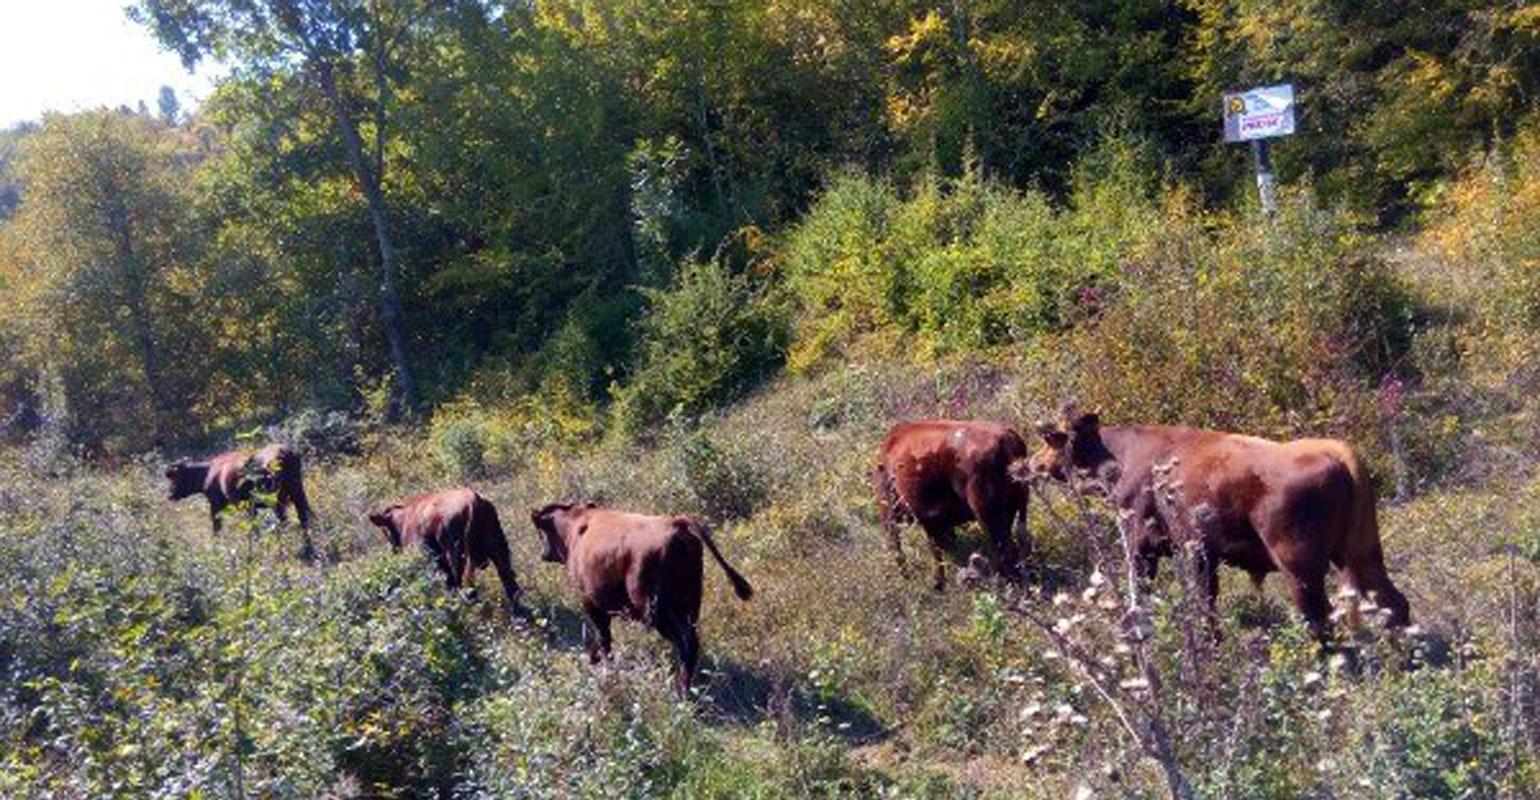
point(741, 586)
point(1363, 532)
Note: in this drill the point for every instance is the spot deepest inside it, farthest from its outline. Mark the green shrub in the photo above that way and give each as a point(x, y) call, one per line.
point(321, 433)
point(462, 445)
point(705, 340)
point(1486, 238)
point(725, 483)
point(1221, 321)
point(961, 266)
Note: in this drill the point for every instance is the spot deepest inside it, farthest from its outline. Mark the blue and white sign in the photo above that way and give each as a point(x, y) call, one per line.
point(1261, 113)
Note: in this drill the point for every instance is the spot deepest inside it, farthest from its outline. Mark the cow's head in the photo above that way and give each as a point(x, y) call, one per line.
point(1072, 447)
point(548, 522)
point(385, 518)
point(185, 479)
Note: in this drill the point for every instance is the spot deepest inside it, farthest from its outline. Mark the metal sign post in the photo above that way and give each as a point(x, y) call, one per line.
point(1263, 155)
point(1255, 116)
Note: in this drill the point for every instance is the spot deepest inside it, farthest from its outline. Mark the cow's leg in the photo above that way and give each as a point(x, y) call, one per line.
point(442, 560)
point(511, 591)
point(281, 505)
point(596, 633)
point(886, 498)
point(467, 569)
point(996, 511)
point(1205, 573)
point(939, 535)
point(1306, 580)
point(686, 641)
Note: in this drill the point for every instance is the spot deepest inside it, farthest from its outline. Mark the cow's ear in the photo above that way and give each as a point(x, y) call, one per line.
point(1087, 423)
point(381, 517)
point(1052, 436)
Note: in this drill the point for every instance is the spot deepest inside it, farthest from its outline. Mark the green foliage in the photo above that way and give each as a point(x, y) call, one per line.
point(462, 446)
point(1219, 321)
point(726, 485)
point(707, 339)
point(961, 266)
point(530, 164)
point(973, 209)
point(1483, 233)
point(101, 269)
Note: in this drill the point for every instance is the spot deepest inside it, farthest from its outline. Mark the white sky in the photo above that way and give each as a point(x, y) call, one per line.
point(72, 55)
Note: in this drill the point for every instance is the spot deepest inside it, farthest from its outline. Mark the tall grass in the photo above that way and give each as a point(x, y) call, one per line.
point(129, 641)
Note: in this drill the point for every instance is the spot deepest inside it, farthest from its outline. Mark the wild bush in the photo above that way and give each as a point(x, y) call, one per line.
point(1282, 328)
point(704, 341)
point(961, 266)
point(1485, 237)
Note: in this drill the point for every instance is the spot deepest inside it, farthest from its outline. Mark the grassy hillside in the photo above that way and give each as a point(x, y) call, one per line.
point(143, 656)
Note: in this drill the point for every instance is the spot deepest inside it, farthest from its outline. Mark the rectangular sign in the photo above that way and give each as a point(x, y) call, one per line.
point(1259, 113)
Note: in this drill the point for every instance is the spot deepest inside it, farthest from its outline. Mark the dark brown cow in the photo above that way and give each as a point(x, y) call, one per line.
point(944, 473)
point(241, 475)
point(645, 567)
point(460, 530)
point(1297, 507)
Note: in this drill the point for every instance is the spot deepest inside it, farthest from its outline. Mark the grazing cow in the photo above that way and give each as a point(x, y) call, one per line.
point(943, 473)
point(460, 530)
point(1296, 507)
point(241, 475)
point(645, 567)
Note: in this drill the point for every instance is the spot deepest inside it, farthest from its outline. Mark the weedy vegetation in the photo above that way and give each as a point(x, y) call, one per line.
point(698, 258)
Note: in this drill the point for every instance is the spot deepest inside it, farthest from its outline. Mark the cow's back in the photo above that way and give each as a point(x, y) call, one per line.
point(959, 436)
point(635, 557)
point(952, 451)
point(1254, 486)
point(435, 515)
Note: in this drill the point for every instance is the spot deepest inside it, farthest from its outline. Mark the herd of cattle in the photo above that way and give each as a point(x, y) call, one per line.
point(1299, 508)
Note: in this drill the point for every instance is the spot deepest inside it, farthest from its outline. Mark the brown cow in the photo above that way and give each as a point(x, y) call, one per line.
point(460, 530)
point(944, 473)
point(241, 475)
point(645, 567)
point(1296, 507)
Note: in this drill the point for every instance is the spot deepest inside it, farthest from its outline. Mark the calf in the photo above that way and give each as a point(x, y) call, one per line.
point(242, 475)
point(645, 567)
point(944, 473)
point(460, 530)
point(1297, 507)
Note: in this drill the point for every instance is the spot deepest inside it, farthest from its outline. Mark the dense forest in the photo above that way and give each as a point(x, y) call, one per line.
point(697, 256)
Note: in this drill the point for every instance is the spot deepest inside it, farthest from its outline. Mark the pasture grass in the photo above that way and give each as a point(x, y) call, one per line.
point(142, 656)
point(145, 656)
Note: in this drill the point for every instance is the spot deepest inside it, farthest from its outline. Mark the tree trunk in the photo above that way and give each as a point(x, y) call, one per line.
point(142, 329)
point(369, 181)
